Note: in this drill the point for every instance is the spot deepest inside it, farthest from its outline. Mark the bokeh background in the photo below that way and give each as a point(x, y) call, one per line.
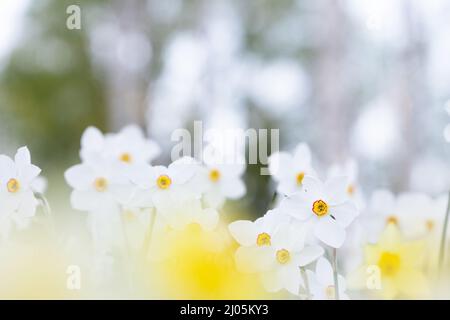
point(359, 79)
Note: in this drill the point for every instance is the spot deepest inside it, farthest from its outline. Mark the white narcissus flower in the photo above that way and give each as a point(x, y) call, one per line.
point(321, 282)
point(323, 207)
point(273, 247)
point(129, 146)
point(222, 181)
point(350, 170)
point(282, 263)
point(156, 186)
point(416, 214)
point(260, 232)
point(17, 201)
point(181, 214)
point(98, 186)
point(290, 170)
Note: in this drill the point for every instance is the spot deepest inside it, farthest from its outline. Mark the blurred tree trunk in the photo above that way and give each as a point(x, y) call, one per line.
point(412, 94)
point(330, 91)
point(126, 89)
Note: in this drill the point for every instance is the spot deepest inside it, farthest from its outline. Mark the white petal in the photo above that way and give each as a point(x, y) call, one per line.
point(313, 187)
point(208, 219)
point(309, 254)
point(214, 199)
point(183, 169)
point(233, 188)
point(28, 204)
point(324, 272)
point(22, 157)
point(83, 200)
point(254, 259)
point(271, 281)
point(344, 213)
point(330, 232)
point(8, 202)
point(151, 150)
point(290, 278)
point(7, 167)
point(132, 132)
point(28, 173)
point(79, 176)
point(336, 189)
point(244, 232)
point(141, 199)
point(92, 201)
point(92, 139)
point(302, 153)
point(288, 187)
point(143, 175)
point(296, 206)
point(231, 170)
point(280, 165)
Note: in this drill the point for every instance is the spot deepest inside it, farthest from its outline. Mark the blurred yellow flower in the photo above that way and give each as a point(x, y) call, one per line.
point(398, 265)
point(200, 265)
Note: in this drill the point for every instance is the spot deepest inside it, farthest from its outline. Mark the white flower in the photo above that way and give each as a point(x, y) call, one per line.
point(222, 181)
point(290, 170)
point(274, 248)
point(98, 186)
point(416, 214)
point(350, 170)
point(321, 283)
point(129, 146)
point(159, 185)
point(17, 201)
point(260, 232)
point(324, 207)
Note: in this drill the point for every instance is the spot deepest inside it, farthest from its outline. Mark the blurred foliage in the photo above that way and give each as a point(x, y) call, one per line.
point(48, 90)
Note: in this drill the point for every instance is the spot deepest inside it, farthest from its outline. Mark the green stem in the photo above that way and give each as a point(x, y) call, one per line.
point(305, 280)
point(47, 211)
point(148, 235)
point(129, 263)
point(335, 274)
point(444, 235)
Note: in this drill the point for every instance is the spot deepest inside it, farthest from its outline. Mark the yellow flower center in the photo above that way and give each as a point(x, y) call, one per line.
point(263, 239)
point(430, 225)
point(13, 185)
point(100, 184)
point(126, 157)
point(163, 182)
point(129, 216)
point(389, 263)
point(330, 292)
point(392, 219)
point(283, 256)
point(320, 208)
point(214, 175)
point(194, 228)
point(299, 178)
point(351, 189)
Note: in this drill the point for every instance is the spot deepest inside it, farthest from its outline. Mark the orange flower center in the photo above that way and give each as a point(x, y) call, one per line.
point(320, 208)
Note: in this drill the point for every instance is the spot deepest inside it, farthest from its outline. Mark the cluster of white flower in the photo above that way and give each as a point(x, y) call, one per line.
point(116, 178)
point(289, 237)
point(19, 180)
point(314, 233)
